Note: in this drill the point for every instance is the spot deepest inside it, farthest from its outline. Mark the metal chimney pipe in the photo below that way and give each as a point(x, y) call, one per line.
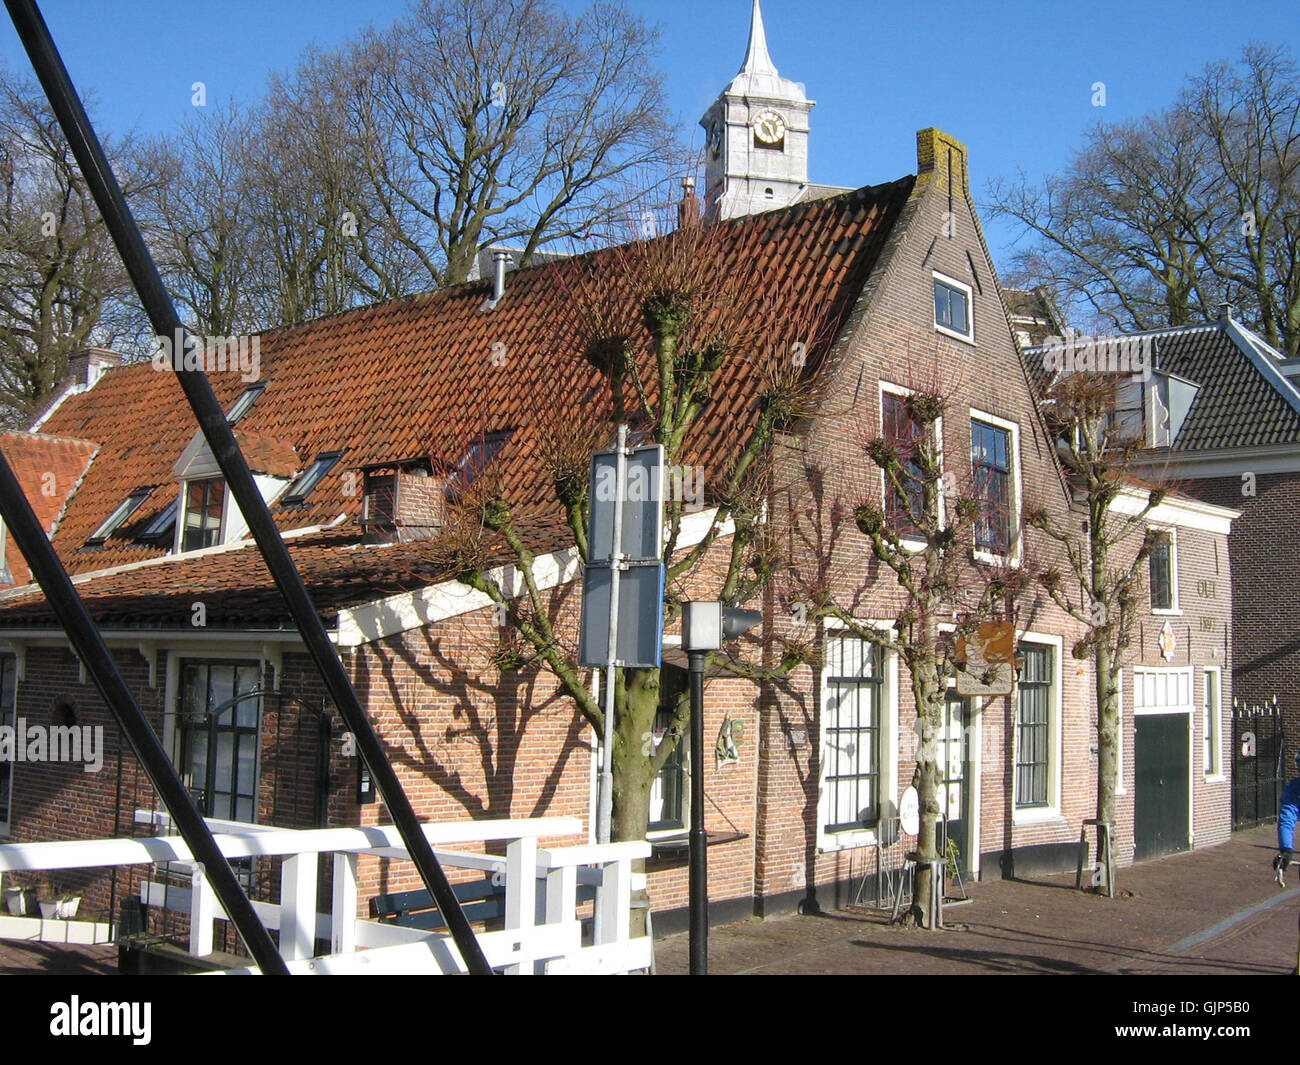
point(499, 260)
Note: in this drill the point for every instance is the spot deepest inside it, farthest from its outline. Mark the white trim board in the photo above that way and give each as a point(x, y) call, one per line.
point(367, 622)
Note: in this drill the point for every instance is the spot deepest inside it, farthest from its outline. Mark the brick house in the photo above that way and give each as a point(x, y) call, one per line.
point(1229, 430)
point(357, 426)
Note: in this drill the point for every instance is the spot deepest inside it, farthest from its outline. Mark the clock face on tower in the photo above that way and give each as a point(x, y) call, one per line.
point(769, 128)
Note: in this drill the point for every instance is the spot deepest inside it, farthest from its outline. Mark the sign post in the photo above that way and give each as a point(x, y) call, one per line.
point(623, 583)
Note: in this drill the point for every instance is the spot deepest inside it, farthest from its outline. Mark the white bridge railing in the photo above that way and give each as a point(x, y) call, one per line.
point(543, 932)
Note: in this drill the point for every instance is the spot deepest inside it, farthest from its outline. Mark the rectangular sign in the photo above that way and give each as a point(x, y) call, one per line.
point(640, 616)
point(643, 504)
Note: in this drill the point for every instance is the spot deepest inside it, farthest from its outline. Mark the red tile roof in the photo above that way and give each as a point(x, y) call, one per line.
point(49, 469)
point(421, 376)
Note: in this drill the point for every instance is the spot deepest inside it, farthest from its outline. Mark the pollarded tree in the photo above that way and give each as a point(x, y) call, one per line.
point(667, 325)
point(924, 572)
point(1099, 578)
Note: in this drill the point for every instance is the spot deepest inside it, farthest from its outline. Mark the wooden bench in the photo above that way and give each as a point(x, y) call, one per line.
point(482, 900)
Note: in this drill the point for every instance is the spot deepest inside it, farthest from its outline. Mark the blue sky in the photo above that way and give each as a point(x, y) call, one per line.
point(1014, 81)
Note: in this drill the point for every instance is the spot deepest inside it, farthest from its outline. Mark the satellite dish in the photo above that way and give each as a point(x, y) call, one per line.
point(909, 811)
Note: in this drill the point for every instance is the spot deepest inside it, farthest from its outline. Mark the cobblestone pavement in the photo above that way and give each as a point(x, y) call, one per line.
point(1213, 911)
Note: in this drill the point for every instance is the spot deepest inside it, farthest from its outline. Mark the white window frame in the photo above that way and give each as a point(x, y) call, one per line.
point(901, 390)
point(1037, 815)
point(1175, 610)
point(887, 732)
point(171, 737)
point(952, 282)
point(182, 503)
point(1017, 490)
point(1212, 737)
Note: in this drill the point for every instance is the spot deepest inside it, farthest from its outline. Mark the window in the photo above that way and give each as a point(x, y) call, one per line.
point(245, 402)
point(990, 458)
point(311, 477)
point(952, 308)
point(851, 735)
point(900, 427)
point(8, 694)
point(668, 792)
point(219, 736)
point(161, 527)
point(481, 451)
point(1211, 742)
point(203, 503)
point(124, 510)
point(1164, 572)
point(1034, 742)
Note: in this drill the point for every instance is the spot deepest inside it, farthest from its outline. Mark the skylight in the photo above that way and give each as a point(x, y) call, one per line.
point(124, 510)
point(301, 488)
point(475, 460)
point(245, 402)
point(161, 527)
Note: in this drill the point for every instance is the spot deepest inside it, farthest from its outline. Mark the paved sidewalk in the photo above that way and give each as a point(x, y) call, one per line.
point(1214, 911)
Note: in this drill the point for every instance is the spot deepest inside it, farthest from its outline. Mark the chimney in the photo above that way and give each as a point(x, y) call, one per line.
point(940, 156)
point(499, 260)
point(688, 211)
point(88, 365)
point(1224, 312)
point(403, 501)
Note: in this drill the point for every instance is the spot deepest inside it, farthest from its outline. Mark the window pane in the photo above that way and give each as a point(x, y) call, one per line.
point(851, 730)
point(1033, 726)
point(991, 472)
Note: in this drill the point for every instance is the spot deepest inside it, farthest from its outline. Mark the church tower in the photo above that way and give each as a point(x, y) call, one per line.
point(756, 137)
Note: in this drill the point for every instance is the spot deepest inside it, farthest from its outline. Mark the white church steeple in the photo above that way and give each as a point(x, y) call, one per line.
point(756, 136)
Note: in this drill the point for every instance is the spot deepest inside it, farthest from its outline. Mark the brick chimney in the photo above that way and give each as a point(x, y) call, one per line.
point(88, 365)
point(688, 211)
point(404, 500)
point(942, 157)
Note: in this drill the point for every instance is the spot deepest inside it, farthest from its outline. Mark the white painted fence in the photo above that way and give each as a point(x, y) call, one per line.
point(542, 933)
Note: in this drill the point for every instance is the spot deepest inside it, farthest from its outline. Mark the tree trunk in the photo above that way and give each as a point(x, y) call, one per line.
point(636, 701)
point(929, 694)
point(1107, 690)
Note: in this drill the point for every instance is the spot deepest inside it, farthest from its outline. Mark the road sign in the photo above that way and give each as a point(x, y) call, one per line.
point(623, 586)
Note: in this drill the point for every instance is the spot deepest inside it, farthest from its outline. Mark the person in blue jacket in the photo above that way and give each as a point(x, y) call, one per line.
point(1286, 820)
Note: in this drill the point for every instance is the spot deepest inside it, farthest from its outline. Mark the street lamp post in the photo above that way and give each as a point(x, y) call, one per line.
point(705, 627)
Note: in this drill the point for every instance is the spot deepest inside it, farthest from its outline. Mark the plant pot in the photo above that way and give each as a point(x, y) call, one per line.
point(16, 901)
point(59, 909)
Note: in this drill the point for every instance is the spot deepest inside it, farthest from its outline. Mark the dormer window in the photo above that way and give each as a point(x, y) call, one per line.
point(123, 511)
point(245, 402)
point(310, 478)
point(203, 505)
point(952, 307)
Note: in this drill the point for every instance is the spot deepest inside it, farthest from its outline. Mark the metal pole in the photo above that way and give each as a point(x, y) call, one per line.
point(605, 809)
point(699, 871)
point(90, 648)
point(212, 420)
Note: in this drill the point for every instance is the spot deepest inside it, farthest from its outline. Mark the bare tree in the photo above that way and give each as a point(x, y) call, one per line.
point(61, 282)
point(664, 325)
point(199, 219)
point(513, 121)
point(922, 572)
point(1098, 576)
point(1156, 221)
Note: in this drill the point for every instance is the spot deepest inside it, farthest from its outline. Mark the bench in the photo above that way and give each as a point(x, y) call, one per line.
point(482, 900)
